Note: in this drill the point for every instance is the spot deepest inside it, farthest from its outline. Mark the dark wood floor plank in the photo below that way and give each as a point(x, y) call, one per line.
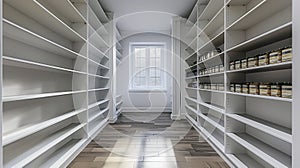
point(139, 140)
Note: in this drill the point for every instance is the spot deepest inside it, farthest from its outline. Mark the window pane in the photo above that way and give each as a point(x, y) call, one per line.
point(139, 81)
point(155, 62)
point(152, 72)
point(152, 82)
point(140, 73)
point(147, 56)
point(158, 81)
point(140, 52)
point(152, 52)
point(140, 62)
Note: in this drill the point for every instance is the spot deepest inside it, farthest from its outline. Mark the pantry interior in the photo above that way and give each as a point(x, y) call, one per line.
point(233, 65)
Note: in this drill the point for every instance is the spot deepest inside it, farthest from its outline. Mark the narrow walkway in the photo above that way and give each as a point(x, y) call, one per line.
point(150, 140)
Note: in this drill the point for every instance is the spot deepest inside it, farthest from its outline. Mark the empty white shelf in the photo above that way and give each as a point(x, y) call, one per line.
point(276, 34)
point(39, 96)
point(96, 23)
point(16, 32)
point(99, 76)
point(212, 122)
point(192, 109)
point(96, 126)
point(22, 132)
point(100, 65)
point(258, 13)
point(92, 118)
point(211, 9)
point(191, 99)
point(213, 107)
point(269, 154)
point(36, 10)
point(42, 147)
point(99, 12)
point(98, 103)
point(244, 161)
point(265, 126)
point(58, 158)
point(98, 89)
point(10, 61)
point(119, 103)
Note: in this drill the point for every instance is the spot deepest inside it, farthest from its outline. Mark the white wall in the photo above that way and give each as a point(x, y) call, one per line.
point(144, 101)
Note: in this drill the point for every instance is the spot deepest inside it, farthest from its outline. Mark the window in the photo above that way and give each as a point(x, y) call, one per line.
point(147, 67)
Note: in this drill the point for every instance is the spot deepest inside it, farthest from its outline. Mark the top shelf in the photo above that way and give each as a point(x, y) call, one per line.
point(258, 13)
point(98, 10)
point(14, 31)
point(44, 16)
point(274, 35)
point(211, 9)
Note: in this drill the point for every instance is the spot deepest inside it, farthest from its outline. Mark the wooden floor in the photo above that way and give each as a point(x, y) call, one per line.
point(149, 140)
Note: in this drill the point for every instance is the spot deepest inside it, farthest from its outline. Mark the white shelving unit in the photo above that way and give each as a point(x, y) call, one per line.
point(248, 130)
point(56, 79)
point(117, 52)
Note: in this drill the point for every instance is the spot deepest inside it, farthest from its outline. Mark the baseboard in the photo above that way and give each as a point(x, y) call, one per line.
point(175, 117)
point(146, 109)
point(113, 120)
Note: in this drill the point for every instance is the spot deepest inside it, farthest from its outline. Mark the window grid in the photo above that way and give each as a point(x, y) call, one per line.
point(147, 65)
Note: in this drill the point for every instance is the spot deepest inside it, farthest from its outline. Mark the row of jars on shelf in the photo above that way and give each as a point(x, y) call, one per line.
point(275, 57)
point(211, 70)
point(283, 89)
point(207, 86)
point(276, 89)
point(209, 54)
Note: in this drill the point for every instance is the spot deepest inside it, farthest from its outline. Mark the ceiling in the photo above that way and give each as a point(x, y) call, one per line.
point(147, 15)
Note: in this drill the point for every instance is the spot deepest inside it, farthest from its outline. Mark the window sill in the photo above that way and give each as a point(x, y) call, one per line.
point(148, 90)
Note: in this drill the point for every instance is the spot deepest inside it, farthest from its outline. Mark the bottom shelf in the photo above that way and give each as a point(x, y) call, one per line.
point(244, 161)
point(58, 158)
point(96, 126)
point(269, 154)
point(119, 111)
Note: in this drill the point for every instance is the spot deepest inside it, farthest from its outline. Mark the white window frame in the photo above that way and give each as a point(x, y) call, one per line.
point(131, 68)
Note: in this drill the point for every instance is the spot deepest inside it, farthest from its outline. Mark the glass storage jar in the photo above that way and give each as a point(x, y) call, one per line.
point(221, 68)
point(238, 88)
point(221, 87)
point(254, 88)
point(275, 90)
point(217, 69)
point(264, 89)
point(245, 88)
point(275, 57)
point(252, 62)
point(287, 54)
point(286, 90)
point(238, 64)
point(244, 63)
point(232, 87)
point(263, 60)
point(232, 65)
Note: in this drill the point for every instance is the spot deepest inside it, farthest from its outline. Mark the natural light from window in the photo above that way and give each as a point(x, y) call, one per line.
point(147, 64)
